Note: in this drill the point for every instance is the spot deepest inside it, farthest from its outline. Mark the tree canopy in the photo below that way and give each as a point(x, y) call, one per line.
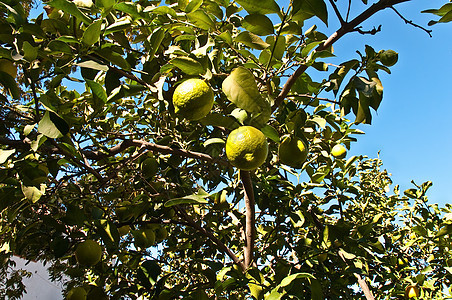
point(93, 152)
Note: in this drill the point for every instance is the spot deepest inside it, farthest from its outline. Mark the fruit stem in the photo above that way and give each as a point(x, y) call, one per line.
point(250, 232)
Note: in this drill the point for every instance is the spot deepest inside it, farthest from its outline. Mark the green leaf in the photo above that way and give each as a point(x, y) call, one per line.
point(71, 8)
point(220, 120)
point(92, 33)
point(251, 40)
point(91, 64)
point(114, 57)
point(288, 280)
point(259, 6)
point(213, 141)
point(271, 133)
point(305, 8)
point(107, 4)
point(155, 40)
point(32, 193)
point(201, 19)
point(188, 65)
point(10, 84)
point(191, 199)
point(193, 5)
point(130, 8)
point(148, 273)
point(241, 89)
point(30, 52)
point(98, 90)
point(52, 126)
point(109, 233)
point(5, 154)
point(316, 290)
point(258, 24)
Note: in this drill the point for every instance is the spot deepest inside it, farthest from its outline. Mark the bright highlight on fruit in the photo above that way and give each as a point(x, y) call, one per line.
point(77, 293)
point(88, 253)
point(193, 99)
point(293, 152)
point(412, 291)
point(339, 151)
point(246, 148)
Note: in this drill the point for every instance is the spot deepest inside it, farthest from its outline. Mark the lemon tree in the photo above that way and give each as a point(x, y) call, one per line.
point(246, 148)
point(193, 99)
point(196, 150)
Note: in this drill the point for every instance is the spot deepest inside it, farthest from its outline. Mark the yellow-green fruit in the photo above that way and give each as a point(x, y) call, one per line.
point(124, 211)
point(144, 238)
point(193, 99)
point(149, 167)
point(246, 148)
point(160, 234)
point(88, 253)
point(389, 57)
point(123, 230)
point(412, 291)
point(8, 67)
point(339, 151)
point(293, 152)
point(77, 293)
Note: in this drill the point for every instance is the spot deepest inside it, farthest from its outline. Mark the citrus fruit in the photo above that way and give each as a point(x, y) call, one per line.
point(144, 238)
point(193, 99)
point(388, 57)
point(412, 291)
point(8, 67)
point(96, 293)
point(123, 230)
point(246, 148)
point(77, 293)
point(149, 167)
point(293, 152)
point(160, 233)
point(124, 211)
point(88, 253)
point(339, 151)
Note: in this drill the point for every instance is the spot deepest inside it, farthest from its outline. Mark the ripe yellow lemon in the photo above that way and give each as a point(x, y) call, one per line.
point(88, 253)
point(77, 293)
point(246, 148)
point(339, 151)
point(193, 99)
point(8, 67)
point(412, 291)
point(293, 152)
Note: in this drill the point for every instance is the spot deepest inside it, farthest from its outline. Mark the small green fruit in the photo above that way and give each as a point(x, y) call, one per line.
point(160, 234)
point(77, 293)
point(123, 230)
point(96, 293)
point(88, 253)
point(339, 151)
point(149, 167)
point(293, 152)
point(144, 238)
point(389, 57)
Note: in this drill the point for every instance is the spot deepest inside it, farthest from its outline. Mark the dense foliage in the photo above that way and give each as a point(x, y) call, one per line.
point(92, 149)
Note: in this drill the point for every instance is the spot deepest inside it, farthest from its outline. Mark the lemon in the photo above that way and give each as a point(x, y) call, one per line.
point(339, 151)
point(149, 167)
point(77, 293)
point(123, 230)
point(389, 57)
point(8, 67)
point(144, 238)
point(412, 291)
point(193, 99)
point(160, 234)
point(293, 152)
point(88, 253)
point(246, 148)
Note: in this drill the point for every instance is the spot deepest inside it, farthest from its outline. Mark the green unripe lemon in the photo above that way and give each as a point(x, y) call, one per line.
point(124, 211)
point(293, 152)
point(339, 151)
point(144, 238)
point(123, 230)
point(246, 148)
point(389, 57)
point(149, 167)
point(77, 293)
point(8, 67)
point(193, 99)
point(160, 233)
point(88, 253)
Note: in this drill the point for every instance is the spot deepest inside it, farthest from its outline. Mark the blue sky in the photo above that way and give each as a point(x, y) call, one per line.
point(412, 128)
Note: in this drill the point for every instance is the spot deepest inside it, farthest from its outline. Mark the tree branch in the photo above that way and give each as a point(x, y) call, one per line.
point(362, 283)
point(250, 231)
point(343, 30)
point(336, 11)
point(429, 32)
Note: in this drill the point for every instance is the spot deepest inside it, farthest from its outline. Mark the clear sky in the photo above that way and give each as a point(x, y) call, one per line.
point(412, 127)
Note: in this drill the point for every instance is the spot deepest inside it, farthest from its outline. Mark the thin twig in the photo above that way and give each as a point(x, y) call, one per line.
point(338, 14)
point(429, 32)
